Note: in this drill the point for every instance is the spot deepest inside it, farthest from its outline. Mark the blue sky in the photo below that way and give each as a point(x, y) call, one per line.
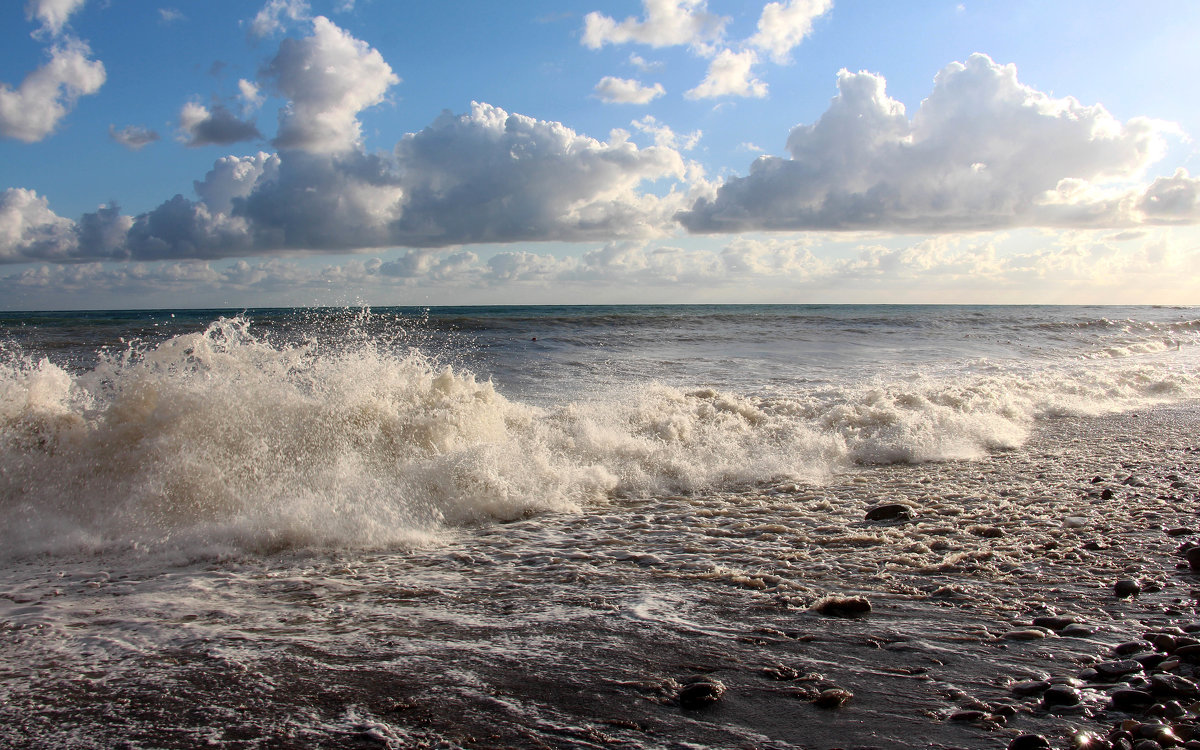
point(361, 151)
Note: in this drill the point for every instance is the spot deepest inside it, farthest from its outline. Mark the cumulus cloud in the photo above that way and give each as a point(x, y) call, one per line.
point(486, 176)
point(627, 91)
point(1172, 200)
point(52, 14)
point(271, 19)
point(984, 151)
point(29, 230)
point(783, 26)
point(730, 74)
point(250, 95)
point(32, 111)
point(665, 137)
point(666, 23)
point(329, 77)
point(200, 126)
point(132, 137)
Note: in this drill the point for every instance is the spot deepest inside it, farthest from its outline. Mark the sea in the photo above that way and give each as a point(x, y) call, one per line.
point(537, 526)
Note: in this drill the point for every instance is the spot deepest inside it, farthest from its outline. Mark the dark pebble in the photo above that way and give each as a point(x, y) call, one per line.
point(1174, 686)
point(1077, 630)
point(843, 606)
point(1029, 687)
point(1124, 699)
point(1193, 558)
point(890, 512)
point(1181, 531)
point(1117, 669)
point(701, 692)
point(1150, 661)
point(1052, 622)
point(1189, 653)
point(832, 698)
point(967, 715)
point(1061, 695)
point(1132, 647)
point(1126, 587)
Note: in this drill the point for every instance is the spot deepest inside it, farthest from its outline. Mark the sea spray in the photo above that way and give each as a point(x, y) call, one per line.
point(226, 438)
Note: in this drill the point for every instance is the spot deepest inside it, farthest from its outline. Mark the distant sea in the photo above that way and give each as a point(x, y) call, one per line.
point(532, 526)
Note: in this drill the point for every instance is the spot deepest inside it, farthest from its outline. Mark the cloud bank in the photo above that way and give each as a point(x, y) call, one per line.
point(983, 152)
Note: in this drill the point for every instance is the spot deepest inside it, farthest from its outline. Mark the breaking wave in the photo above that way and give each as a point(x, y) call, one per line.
point(223, 439)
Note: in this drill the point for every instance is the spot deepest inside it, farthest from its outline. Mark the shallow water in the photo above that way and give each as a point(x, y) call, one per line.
point(232, 541)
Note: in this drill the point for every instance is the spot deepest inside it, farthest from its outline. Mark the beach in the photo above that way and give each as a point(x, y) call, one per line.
point(666, 586)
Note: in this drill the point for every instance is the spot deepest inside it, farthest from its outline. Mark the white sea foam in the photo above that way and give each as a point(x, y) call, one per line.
point(224, 439)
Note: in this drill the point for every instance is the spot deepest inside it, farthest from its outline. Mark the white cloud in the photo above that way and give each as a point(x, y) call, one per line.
point(730, 74)
point(329, 77)
point(983, 152)
point(1174, 199)
point(484, 177)
point(29, 229)
point(667, 23)
point(52, 14)
point(250, 95)
point(171, 15)
point(132, 137)
point(270, 20)
point(642, 64)
point(32, 111)
point(784, 25)
point(665, 137)
point(200, 126)
point(627, 91)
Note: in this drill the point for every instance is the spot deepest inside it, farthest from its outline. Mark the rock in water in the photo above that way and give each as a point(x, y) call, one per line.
point(843, 606)
point(833, 698)
point(1029, 742)
point(1193, 558)
point(1127, 587)
point(700, 692)
point(890, 512)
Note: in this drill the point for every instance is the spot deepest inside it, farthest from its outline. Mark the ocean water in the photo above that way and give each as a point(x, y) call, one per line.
point(530, 526)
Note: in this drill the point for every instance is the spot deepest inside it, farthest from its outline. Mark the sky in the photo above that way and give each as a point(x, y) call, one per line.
point(350, 152)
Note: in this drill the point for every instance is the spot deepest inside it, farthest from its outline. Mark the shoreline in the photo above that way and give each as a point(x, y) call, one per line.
point(582, 630)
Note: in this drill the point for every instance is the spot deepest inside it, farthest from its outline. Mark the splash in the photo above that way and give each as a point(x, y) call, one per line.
point(223, 439)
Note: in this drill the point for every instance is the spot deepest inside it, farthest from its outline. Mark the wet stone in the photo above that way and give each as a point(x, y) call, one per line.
point(1116, 669)
point(1193, 558)
point(833, 698)
point(1053, 622)
point(1189, 653)
point(1174, 686)
point(700, 692)
point(1061, 695)
point(1077, 630)
point(890, 512)
point(1126, 587)
point(1125, 699)
point(843, 606)
point(1029, 687)
point(1132, 647)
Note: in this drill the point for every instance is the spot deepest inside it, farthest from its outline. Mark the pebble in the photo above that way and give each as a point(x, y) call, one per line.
point(890, 512)
point(1061, 695)
point(1077, 630)
point(1193, 558)
point(833, 698)
point(843, 606)
point(700, 692)
point(1117, 669)
point(1053, 622)
point(1174, 686)
point(1029, 687)
point(1127, 587)
point(1124, 699)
